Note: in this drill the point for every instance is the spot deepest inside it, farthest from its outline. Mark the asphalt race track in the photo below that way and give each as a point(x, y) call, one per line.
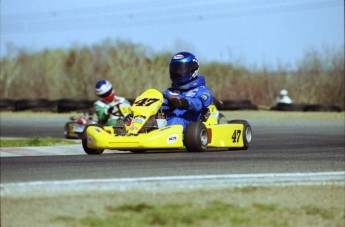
point(290, 146)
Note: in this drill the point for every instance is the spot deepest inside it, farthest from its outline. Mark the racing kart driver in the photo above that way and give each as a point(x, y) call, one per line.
point(107, 108)
point(188, 97)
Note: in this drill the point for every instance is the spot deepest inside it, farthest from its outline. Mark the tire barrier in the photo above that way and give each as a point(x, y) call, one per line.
point(85, 105)
point(323, 108)
point(289, 107)
point(45, 105)
point(70, 105)
point(7, 105)
point(306, 107)
point(231, 104)
point(35, 105)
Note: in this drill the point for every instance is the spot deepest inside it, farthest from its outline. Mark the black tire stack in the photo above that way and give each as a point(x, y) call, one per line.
point(235, 104)
point(45, 105)
point(35, 105)
point(69, 105)
point(7, 105)
point(306, 107)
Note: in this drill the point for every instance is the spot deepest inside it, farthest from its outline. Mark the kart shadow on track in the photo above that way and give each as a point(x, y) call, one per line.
point(170, 151)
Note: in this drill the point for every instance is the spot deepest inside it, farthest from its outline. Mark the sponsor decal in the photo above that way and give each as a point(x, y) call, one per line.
point(192, 93)
point(89, 139)
point(178, 56)
point(205, 96)
point(173, 138)
point(133, 127)
point(138, 120)
point(175, 92)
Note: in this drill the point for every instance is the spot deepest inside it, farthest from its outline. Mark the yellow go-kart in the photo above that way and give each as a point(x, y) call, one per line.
point(148, 131)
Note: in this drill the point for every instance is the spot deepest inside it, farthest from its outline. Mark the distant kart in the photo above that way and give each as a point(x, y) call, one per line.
point(148, 131)
point(74, 128)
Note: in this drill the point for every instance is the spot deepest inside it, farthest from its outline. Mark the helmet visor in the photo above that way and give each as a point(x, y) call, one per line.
point(106, 94)
point(178, 70)
point(109, 98)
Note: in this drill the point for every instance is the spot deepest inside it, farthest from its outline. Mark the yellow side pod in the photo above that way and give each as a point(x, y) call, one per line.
point(225, 135)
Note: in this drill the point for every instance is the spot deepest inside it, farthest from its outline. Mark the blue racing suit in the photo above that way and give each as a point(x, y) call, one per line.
point(198, 96)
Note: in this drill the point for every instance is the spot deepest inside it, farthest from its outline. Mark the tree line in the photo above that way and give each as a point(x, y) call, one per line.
point(132, 68)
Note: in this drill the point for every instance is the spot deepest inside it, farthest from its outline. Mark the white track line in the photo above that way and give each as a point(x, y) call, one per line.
point(173, 183)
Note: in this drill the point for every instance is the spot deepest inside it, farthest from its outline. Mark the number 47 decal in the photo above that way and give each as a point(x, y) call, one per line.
point(236, 136)
point(145, 101)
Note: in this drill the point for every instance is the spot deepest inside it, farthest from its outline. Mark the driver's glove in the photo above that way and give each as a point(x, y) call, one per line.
point(165, 106)
point(112, 110)
point(179, 103)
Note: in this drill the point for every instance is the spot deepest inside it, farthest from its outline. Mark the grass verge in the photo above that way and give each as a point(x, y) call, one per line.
point(221, 209)
point(320, 205)
point(34, 142)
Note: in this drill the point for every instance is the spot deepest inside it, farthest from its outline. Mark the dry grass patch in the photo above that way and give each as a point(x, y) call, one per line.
point(248, 206)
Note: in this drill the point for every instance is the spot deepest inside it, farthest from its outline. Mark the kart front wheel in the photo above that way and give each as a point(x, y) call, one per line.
point(196, 137)
point(88, 150)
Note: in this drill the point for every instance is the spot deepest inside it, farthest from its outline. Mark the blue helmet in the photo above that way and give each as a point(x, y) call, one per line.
point(183, 68)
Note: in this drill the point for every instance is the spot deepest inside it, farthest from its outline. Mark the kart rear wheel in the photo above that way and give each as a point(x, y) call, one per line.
point(87, 150)
point(247, 134)
point(196, 137)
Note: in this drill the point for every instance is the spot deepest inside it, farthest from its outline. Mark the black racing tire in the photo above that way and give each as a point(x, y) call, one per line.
point(87, 150)
point(196, 137)
point(246, 136)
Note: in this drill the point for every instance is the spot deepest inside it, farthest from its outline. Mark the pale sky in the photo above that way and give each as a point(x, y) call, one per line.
point(249, 32)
